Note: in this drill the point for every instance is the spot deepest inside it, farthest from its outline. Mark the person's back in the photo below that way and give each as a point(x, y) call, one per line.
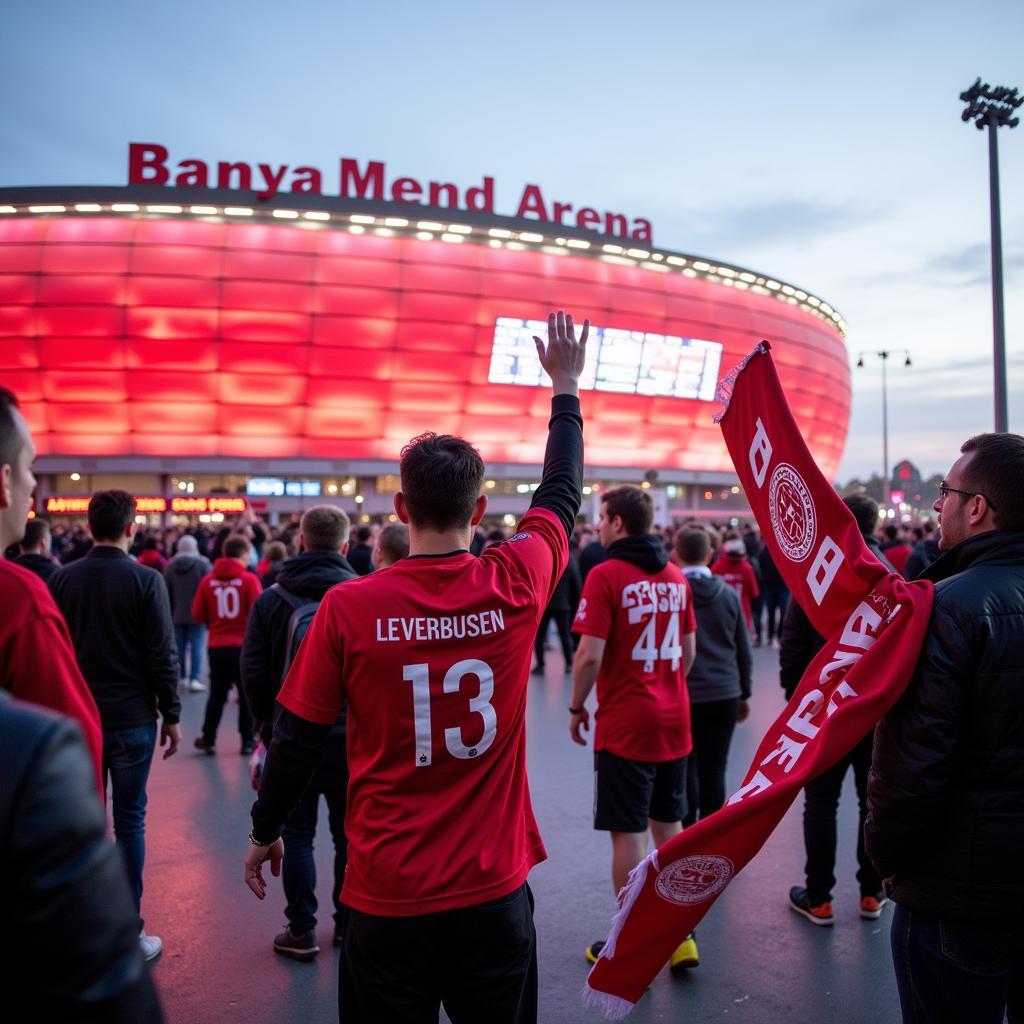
point(118, 614)
point(433, 655)
point(183, 574)
point(734, 567)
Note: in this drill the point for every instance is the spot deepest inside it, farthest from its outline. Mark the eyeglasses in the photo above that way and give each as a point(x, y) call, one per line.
point(945, 491)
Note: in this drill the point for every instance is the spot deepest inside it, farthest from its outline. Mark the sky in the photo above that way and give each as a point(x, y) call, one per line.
point(818, 142)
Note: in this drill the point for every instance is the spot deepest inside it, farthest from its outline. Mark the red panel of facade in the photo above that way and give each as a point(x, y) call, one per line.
point(174, 337)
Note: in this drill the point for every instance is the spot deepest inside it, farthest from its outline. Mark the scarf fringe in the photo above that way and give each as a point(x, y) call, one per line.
point(627, 897)
point(613, 1007)
point(723, 393)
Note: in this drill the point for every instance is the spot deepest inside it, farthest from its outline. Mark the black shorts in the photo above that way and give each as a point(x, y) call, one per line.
point(628, 793)
point(479, 962)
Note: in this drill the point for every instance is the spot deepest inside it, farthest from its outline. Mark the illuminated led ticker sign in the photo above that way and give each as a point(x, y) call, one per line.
point(78, 505)
point(628, 362)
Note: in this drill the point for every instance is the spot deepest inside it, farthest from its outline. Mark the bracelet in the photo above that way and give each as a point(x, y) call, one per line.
point(576, 711)
point(256, 842)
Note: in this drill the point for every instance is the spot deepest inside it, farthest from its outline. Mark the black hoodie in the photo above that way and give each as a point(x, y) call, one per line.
point(643, 550)
point(309, 575)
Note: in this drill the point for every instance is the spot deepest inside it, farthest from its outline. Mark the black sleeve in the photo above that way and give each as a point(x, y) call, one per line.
point(161, 649)
point(744, 652)
point(914, 761)
point(293, 756)
point(561, 485)
point(255, 666)
point(68, 894)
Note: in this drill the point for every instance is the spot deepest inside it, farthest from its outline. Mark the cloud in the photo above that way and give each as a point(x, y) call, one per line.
point(783, 220)
point(972, 265)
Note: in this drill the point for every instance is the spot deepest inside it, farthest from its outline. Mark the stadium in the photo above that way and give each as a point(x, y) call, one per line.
point(207, 350)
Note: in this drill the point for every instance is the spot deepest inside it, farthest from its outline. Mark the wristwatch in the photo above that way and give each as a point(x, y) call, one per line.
point(256, 842)
point(576, 711)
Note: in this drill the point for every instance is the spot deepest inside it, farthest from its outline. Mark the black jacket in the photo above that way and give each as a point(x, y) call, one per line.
point(66, 892)
point(359, 557)
point(42, 565)
point(722, 668)
point(309, 575)
point(183, 574)
point(800, 641)
point(923, 554)
point(120, 622)
point(946, 790)
point(566, 595)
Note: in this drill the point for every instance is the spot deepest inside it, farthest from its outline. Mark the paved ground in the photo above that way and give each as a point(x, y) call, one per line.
point(760, 962)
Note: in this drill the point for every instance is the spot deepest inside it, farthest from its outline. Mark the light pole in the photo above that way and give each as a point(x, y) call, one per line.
point(884, 356)
point(994, 107)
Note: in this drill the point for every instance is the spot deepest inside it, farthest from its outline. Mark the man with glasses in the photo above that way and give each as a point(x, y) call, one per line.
point(945, 821)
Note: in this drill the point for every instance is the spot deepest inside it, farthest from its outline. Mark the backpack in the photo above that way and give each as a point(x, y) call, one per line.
point(303, 610)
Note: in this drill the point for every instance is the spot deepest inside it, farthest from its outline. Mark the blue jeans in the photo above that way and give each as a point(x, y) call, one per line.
point(298, 872)
point(127, 755)
point(191, 636)
point(957, 971)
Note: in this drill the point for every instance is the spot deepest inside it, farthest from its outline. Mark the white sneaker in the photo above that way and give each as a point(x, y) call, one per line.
point(195, 686)
point(150, 945)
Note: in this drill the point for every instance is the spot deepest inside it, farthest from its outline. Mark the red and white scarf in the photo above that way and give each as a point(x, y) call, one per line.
point(874, 623)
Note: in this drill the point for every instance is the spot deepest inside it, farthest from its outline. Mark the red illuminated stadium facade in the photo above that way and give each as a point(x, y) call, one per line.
point(182, 342)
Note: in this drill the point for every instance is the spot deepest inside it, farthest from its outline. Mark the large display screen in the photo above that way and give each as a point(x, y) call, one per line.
point(629, 362)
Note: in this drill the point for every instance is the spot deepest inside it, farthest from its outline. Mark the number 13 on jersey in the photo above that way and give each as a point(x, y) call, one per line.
point(419, 676)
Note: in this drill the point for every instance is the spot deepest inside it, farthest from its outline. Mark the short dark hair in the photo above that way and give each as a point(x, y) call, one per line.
point(236, 546)
point(692, 546)
point(865, 511)
point(35, 530)
point(363, 534)
point(324, 528)
point(393, 541)
point(11, 438)
point(891, 531)
point(996, 471)
point(633, 505)
point(441, 479)
point(110, 512)
point(275, 551)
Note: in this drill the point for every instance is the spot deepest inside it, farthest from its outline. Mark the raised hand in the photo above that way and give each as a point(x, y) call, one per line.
point(564, 355)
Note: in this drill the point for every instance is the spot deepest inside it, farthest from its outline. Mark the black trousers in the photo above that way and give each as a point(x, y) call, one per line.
point(224, 674)
point(711, 726)
point(479, 962)
point(775, 600)
point(562, 622)
point(821, 803)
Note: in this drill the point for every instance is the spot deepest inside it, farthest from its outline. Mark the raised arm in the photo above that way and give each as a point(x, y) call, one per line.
point(561, 486)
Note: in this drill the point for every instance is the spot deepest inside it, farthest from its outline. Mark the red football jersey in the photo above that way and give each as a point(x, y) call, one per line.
point(433, 655)
point(643, 709)
point(223, 599)
point(739, 574)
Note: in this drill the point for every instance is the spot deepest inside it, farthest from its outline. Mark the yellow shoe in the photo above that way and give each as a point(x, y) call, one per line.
point(593, 951)
point(685, 956)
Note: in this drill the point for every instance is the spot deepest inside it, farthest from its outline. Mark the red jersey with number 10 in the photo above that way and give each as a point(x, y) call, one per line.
point(433, 655)
point(643, 709)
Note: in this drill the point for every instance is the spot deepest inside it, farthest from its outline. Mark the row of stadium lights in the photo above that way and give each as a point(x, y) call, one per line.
point(428, 230)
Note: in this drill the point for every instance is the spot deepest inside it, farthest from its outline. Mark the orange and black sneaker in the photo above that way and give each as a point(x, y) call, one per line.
point(816, 913)
point(871, 906)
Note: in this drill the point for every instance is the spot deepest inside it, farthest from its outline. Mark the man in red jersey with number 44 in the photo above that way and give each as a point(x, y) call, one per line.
point(433, 656)
point(637, 641)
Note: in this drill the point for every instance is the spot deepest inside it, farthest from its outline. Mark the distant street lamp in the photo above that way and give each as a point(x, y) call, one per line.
point(884, 356)
point(994, 107)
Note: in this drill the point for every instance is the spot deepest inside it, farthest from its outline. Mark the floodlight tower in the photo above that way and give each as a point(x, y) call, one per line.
point(994, 106)
point(886, 471)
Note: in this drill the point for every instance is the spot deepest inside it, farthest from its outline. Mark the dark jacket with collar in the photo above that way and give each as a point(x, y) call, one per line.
point(946, 791)
point(308, 575)
point(66, 890)
point(119, 616)
point(42, 565)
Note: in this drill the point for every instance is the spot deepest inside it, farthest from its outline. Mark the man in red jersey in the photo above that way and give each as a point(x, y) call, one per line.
point(37, 660)
point(735, 568)
point(433, 655)
point(222, 603)
point(638, 641)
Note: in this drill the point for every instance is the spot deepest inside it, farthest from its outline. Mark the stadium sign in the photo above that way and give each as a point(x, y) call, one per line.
point(150, 163)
